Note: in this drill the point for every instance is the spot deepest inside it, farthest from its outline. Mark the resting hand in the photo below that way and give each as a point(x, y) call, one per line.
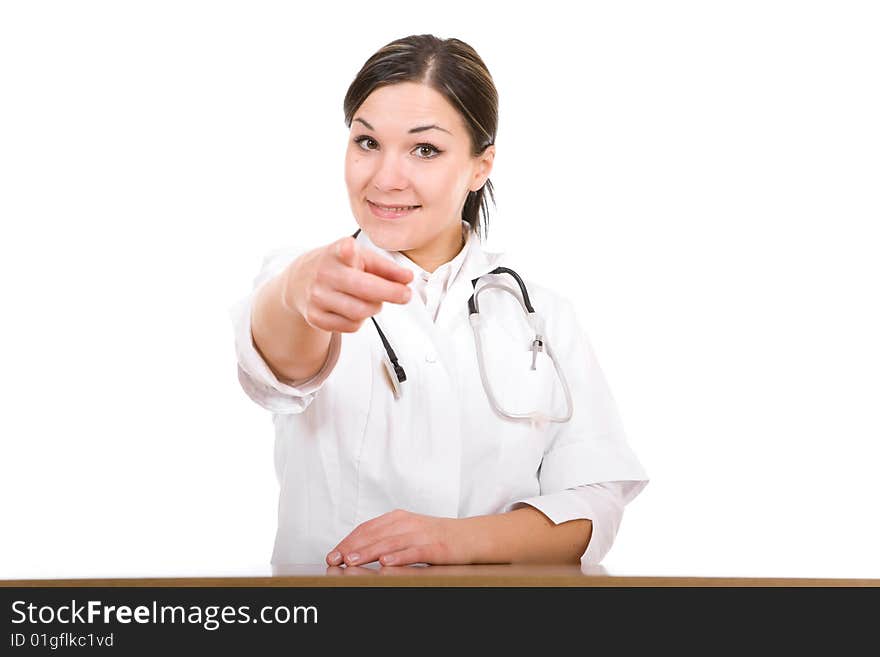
point(401, 538)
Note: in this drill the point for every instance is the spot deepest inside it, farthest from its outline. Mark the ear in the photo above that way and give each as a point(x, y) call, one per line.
point(483, 168)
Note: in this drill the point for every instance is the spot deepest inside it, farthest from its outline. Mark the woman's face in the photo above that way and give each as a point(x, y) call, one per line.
point(408, 146)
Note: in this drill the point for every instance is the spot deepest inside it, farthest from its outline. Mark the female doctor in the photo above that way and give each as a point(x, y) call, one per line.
point(412, 426)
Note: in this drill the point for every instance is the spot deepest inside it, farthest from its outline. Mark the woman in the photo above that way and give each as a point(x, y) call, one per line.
point(423, 465)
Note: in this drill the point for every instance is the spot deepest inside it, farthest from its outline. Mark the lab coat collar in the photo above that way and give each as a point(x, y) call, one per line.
point(474, 262)
point(470, 263)
point(446, 272)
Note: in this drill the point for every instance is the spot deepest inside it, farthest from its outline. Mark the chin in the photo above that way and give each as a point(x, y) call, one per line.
point(389, 236)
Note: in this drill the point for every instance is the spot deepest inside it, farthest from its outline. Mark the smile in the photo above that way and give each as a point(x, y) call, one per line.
point(391, 212)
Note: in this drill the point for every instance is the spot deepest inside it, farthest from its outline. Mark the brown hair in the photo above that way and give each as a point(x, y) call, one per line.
point(454, 69)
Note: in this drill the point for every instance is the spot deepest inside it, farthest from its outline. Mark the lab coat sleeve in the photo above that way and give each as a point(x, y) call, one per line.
point(256, 378)
point(592, 447)
point(601, 503)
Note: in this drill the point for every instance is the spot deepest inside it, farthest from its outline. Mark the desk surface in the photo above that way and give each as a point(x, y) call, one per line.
point(519, 575)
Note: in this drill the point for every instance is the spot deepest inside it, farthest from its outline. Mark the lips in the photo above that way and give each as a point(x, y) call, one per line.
point(386, 212)
point(385, 206)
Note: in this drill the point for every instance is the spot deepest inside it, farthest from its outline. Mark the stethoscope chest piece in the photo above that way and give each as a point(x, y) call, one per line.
point(392, 377)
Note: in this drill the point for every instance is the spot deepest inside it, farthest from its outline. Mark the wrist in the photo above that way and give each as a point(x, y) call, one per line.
point(285, 294)
point(480, 540)
point(288, 293)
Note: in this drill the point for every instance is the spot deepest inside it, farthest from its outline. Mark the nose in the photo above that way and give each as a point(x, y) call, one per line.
point(391, 175)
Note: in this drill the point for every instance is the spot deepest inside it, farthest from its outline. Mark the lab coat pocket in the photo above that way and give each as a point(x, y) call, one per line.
point(520, 390)
point(522, 380)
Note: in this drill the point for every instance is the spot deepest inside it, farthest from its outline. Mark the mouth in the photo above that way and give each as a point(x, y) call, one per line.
point(391, 211)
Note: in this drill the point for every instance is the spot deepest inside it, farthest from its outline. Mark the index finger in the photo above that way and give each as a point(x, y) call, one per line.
point(370, 287)
point(388, 269)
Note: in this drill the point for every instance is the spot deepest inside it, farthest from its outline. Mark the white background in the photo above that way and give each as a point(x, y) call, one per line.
point(701, 178)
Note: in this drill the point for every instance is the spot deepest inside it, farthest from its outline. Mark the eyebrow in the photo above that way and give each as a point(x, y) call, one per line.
point(420, 128)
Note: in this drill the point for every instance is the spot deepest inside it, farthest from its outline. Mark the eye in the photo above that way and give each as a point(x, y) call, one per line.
point(361, 140)
point(436, 150)
point(419, 147)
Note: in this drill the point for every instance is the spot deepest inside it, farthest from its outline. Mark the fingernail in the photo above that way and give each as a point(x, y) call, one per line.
point(389, 560)
point(335, 558)
point(352, 558)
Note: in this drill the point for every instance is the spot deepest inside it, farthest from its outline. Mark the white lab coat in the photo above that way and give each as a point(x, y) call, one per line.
point(347, 451)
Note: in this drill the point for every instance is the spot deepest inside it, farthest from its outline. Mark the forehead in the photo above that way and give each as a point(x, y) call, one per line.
point(399, 107)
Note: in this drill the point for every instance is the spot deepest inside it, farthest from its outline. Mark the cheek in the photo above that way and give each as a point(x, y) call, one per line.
point(354, 173)
point(438, 188)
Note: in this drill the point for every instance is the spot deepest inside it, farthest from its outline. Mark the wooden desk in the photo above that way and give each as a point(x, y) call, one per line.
point(443, 576)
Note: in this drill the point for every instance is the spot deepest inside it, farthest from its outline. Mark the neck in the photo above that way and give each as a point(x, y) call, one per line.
point(439, 252)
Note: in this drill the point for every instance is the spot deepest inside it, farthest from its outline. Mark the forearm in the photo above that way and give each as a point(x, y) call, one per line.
point(292, 348)
point(526, 535)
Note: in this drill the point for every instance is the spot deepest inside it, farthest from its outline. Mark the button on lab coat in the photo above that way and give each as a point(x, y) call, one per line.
point(347, 451)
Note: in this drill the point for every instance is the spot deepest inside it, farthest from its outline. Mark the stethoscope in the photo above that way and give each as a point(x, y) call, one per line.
point(397, 375)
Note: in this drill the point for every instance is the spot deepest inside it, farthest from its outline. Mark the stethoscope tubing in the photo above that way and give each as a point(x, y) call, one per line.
point(398, 374)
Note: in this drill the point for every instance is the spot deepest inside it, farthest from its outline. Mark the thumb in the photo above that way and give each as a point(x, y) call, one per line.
point(349, 254)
